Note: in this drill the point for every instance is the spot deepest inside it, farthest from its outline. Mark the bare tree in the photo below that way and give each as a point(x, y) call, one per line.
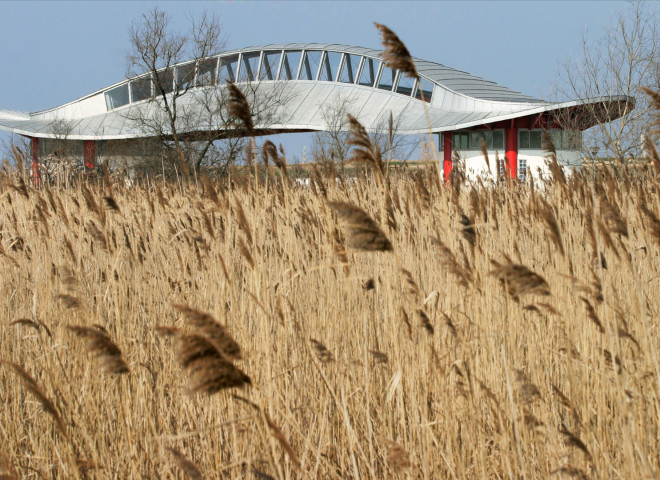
point(154, 52)
point(187, 108)
point(624, 59)
point(333, 144)
point(209, 122)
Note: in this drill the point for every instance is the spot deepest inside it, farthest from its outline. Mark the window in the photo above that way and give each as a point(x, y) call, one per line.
point(368, 73)
point(185, 76)
point(228, 67)
point(386, 79)
point(461, 141)
point(498, 140)
point(249, 66)
point(310, 65)
point(425, 88)
point(290, 65)
point(140, 89)
point(164, 82)
point(522, 169)
point(349, 69)
point(271, 63)
point(330, 66)
point(571, 140)
point(529, 139)
point(405, 85)
point(117, 97)
point(206, 72)
point(494, 139)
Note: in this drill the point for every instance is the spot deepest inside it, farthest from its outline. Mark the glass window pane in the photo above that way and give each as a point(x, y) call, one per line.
point(523, 139)
point(461, 141)
point(475, 140)
point(349, 69)
point(164, 80)
point(310, 65)
point(572, 140)
point(330, 66)
point(269, 66)
point(185, 75)
point(488, 137)
point(406, 85)
point(228, 67)
point(117, 97)
point(290, 65)
point(535, 139)
point(140, 89)
point(555, 136)
point(249, 66)
point(386, 80)
point(522, 169)
point(498, 140)
point(425, 87)
point(369, 70)
point(206, 72)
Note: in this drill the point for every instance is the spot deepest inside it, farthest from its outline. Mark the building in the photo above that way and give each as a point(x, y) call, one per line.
point(462, 109)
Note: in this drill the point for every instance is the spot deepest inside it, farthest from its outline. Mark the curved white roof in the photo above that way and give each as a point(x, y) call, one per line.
point(310, 77)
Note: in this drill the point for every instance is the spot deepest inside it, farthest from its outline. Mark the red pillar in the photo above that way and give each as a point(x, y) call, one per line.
point(447, 154)
point(34, 143)
point(90, 154)
point(512, 151)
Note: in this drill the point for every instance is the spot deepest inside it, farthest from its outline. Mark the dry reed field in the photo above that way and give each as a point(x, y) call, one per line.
point(384, 327)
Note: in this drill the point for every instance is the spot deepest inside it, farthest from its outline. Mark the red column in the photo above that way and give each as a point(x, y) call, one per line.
point(447, 153)
point(512, 151)
point(34, 143)
point(90, 154)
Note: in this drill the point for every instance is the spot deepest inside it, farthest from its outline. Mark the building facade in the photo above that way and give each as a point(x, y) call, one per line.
point(465, 111)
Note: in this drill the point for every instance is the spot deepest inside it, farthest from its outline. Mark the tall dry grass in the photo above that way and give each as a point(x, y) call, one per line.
point(384, 327)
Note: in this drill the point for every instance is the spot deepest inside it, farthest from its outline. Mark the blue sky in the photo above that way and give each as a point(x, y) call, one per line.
point(54, 52)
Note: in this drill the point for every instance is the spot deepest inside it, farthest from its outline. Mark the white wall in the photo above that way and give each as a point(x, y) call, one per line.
point(475, 165)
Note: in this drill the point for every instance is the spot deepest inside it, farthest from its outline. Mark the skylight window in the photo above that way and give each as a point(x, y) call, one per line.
point(386, 80)
point(349, 68)
point(310, 65)
point(424, 87)
point(405, 85)
point(249, 66)
point(290, 65)
point(185, 76)
point(271, 63)
point(164, 80)
point(140, 89)
point(369, 70)
point(117, 97)
point(206, 72)
point(228, 67)
point(330, 66)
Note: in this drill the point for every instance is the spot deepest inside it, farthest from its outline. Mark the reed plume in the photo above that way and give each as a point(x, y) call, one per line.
point(551, 223)
point(212, 329)
point(364, 150)
point(325, 355)
point(520, 280)
point(363, 233)
point(191, 470)
point(111, 203)
point(269, 152)
point(31, 386)
point(208, 370)
point(238, 107)
point(102, 348)
point(396, 55)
